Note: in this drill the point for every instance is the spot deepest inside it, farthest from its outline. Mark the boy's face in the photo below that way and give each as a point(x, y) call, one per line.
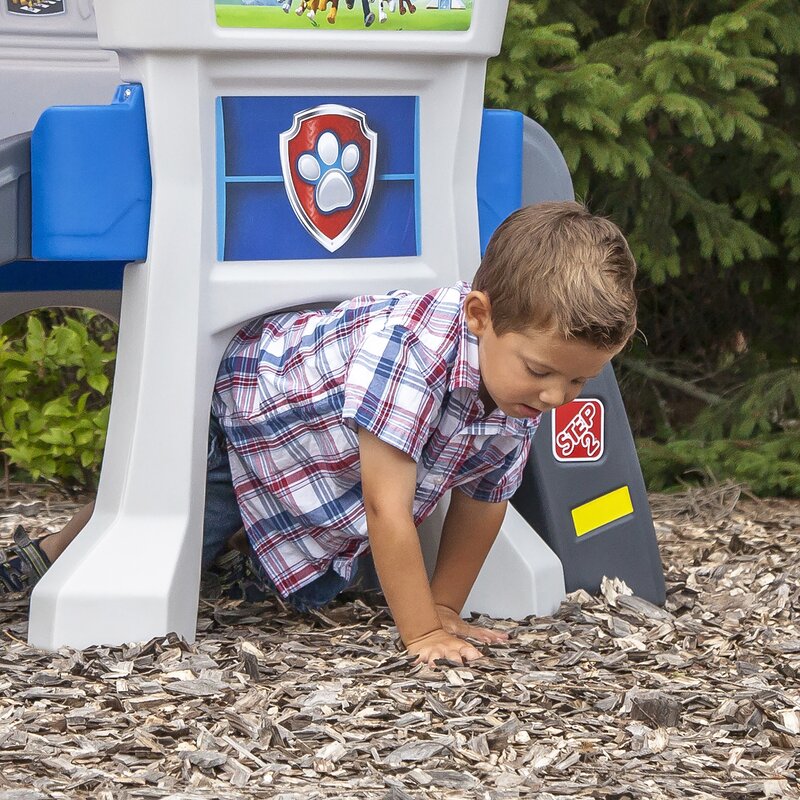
point(524, 374)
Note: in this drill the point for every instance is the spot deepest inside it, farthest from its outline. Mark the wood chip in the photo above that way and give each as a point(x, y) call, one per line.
point(657, 708)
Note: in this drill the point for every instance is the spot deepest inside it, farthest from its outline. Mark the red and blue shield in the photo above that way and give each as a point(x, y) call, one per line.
point(328, 160)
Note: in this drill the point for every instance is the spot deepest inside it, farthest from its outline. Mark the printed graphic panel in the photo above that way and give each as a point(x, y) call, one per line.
point(317, 177)
point(579, 431)
point(35, 8)
point(333, 15)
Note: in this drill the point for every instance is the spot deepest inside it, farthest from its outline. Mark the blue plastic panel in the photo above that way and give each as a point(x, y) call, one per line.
point(499, 170)
point(55, 276)
point(92, 185)
point(90, 181)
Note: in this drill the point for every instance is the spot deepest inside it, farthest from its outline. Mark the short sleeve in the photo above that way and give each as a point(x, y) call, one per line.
point(501, 483)
point(394, 389)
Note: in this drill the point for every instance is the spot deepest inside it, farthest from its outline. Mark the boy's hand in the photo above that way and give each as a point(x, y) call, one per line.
point(452, 623)
point(440, 644)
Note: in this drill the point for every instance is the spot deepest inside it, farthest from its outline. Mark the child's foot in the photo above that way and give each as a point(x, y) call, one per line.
point(286, 7)
point(369, 19)
point(332, 16)
point(412, 8)
point(22, 564)
point(382, 16)
point(392, 6)
point(301, 8)
point(402, 8)
point(234, 575)
point(350, 3)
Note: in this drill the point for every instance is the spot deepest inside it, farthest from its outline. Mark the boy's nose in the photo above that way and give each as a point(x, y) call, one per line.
point(553, 396)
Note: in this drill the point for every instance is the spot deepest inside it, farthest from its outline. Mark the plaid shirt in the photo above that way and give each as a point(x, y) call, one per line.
point(293, 390)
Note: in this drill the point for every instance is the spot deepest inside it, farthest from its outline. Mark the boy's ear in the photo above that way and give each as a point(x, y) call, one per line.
point(478, 312)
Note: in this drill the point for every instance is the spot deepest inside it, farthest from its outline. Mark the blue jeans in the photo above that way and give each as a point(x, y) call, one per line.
point(221, 520)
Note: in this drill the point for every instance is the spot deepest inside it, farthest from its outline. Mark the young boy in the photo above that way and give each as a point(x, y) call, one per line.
point(335, 433)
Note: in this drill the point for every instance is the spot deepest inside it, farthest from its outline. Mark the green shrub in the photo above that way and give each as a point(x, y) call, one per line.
point(56, 369)
point(749, 433)
point(768, 464)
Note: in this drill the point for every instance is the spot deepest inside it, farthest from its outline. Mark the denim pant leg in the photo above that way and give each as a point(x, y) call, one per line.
point(329, 585)
point(221, 517)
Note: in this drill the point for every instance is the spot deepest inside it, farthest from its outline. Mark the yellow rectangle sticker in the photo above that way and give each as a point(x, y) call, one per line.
point(602, 510)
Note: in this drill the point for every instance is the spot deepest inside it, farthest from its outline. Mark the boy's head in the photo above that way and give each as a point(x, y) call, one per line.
point(551, 303)
point(556, 266)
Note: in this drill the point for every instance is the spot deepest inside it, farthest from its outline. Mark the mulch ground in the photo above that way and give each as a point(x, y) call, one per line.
point(609, 698)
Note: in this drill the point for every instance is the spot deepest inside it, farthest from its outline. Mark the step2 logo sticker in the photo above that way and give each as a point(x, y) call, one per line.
point(579, 431)
point(328, 160)
point(35, 7)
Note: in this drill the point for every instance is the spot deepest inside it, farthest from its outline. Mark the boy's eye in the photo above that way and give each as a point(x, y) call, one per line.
point(537, 374)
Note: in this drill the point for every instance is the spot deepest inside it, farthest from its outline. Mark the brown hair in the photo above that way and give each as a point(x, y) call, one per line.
point(557, 265)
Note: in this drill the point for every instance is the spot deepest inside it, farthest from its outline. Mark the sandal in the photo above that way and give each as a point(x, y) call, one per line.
point(234, 575)
point(22, 563)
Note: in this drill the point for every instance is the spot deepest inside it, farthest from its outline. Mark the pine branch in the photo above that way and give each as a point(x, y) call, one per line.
point(654, 374)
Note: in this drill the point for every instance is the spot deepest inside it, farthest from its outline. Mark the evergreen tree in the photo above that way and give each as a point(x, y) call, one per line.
point(680, 122)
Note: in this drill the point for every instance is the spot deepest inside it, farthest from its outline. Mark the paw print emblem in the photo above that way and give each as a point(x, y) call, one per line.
point(328, 160)
point(328, 169)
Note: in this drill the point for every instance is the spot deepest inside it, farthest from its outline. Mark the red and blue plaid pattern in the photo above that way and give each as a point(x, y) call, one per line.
point(293, 390)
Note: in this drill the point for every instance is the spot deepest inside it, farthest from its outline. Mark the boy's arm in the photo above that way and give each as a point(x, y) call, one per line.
point(469, 530)
point(388, 479)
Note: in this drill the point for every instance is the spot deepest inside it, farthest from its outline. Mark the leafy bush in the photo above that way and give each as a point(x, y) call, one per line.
point(767, 403)
point(56, 369)
point(768, 464)
point(750, 435)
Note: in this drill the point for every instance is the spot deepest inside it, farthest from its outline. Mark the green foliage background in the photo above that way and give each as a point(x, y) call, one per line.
point(679, 121)
point(56, 368)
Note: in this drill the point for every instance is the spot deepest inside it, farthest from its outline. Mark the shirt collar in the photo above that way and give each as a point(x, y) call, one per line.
point(466, 375)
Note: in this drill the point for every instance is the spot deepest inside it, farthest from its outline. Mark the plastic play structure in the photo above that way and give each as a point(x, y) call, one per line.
point(251, 162)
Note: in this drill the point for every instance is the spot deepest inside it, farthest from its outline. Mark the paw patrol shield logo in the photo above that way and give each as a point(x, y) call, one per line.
point(328, 159)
